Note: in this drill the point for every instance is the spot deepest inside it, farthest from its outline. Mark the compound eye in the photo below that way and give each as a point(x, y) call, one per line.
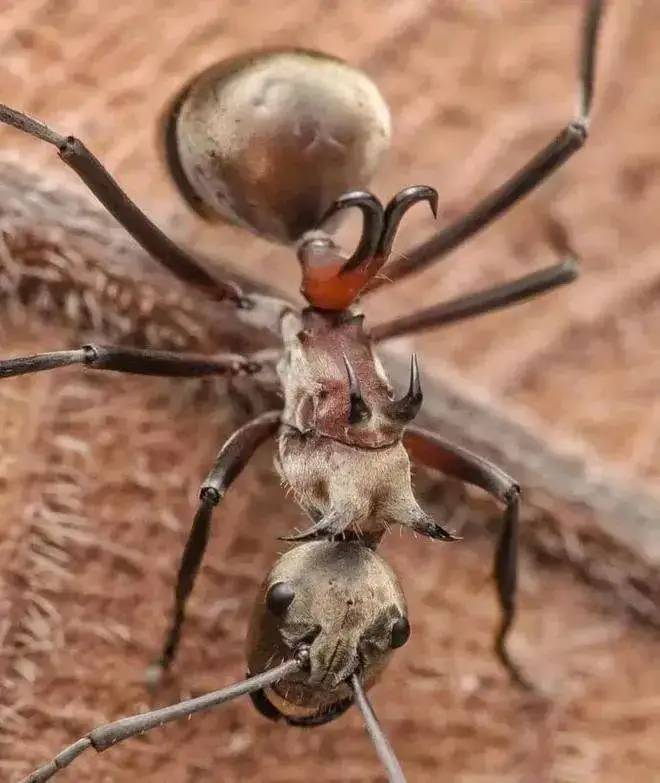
point(279, 597)
point(400, 632)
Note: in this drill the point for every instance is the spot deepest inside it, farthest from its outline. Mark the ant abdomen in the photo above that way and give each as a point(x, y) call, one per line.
point(270, 139)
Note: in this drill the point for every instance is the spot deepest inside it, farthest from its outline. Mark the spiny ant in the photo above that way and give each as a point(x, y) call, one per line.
point(313, 130)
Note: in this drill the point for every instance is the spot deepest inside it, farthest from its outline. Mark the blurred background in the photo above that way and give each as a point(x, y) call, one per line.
point(475, 88)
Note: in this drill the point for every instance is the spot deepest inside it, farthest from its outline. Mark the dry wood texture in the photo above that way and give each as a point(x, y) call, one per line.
point(98, 475)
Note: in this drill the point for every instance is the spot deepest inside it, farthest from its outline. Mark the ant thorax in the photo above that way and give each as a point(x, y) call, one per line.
point(268, 139)
point(340, 449)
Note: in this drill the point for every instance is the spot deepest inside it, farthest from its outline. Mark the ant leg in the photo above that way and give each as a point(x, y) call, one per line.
point(439, 454)
point(104, 737)
point(382, 745)
point(74, 153)
point(532, 174)
point(231, 459)
point(490, 299)
point(139, 361)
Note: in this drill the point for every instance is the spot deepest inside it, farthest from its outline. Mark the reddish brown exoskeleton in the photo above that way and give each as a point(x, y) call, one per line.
point(281, 142)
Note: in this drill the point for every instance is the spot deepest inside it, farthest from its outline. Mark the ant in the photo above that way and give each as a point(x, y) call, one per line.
point(277, 141)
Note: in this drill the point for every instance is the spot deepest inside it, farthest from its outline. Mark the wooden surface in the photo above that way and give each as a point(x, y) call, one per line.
point(94, 515)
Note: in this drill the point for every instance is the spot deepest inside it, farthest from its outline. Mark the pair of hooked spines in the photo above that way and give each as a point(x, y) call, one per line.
point(380, 223)
point(402, 410)
point(330, 280)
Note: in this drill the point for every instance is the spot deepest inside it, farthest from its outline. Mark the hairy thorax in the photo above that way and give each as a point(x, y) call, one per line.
point(340, 449)
point(372, 487)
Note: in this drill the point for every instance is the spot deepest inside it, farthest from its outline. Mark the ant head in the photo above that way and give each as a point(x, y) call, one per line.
point(342, 601)
point(269, 139)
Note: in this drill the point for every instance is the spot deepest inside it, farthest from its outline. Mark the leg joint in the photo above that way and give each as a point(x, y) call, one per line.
point(70, 147)
point(579, 130)
point(91, 354)
point(512, 495)
point(209, 496)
